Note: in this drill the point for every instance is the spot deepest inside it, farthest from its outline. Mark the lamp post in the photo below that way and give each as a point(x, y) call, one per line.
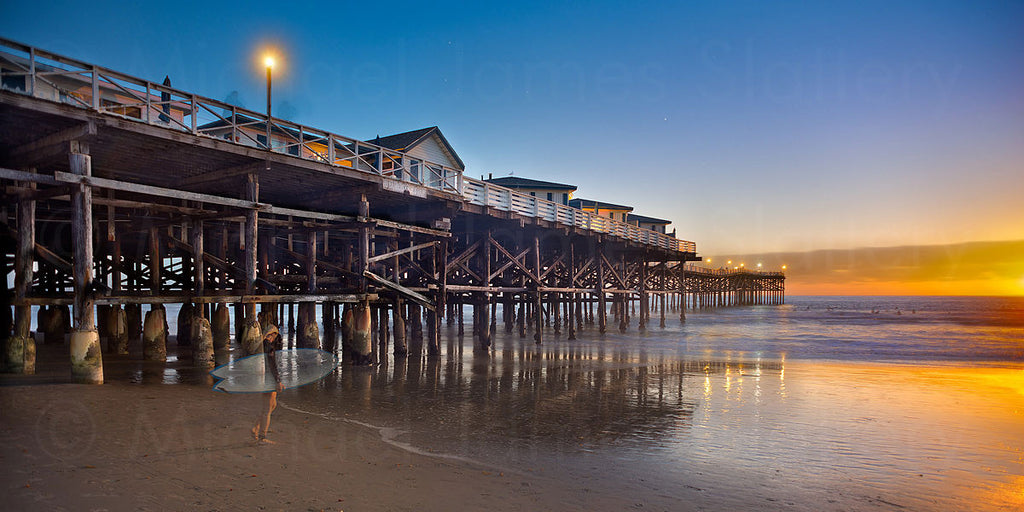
point(269, 62)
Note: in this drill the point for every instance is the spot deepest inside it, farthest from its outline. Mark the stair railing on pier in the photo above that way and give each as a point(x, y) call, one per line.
point(500, 198)
point(45, 75)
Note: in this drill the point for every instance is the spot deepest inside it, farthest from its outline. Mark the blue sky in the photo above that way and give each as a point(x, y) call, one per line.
point(755, 126)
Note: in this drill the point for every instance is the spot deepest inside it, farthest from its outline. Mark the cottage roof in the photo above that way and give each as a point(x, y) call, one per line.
point(407, 140)
point(259, 127)
point(646, 220)
point(517, 182)
point(588, 203)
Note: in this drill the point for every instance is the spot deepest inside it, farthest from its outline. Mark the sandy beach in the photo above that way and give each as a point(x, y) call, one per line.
point(130, 447)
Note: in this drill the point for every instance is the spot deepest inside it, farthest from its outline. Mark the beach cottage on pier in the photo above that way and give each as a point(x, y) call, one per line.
point(610, 210)
point(557, 192)
point(427, 144)
point(651, 223)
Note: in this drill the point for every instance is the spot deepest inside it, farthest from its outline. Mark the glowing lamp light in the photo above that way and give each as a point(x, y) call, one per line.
point(783, 267)
point(268, 61)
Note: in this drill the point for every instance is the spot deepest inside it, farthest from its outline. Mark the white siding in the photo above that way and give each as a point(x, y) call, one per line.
point(432, 150)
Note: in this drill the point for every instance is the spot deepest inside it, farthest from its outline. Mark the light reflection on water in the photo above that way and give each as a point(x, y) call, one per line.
point(737, 408)
point(716, 413)
point(742, 431)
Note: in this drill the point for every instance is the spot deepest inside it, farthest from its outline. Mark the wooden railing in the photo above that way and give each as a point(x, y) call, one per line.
point(45, 75)
point(505, 199)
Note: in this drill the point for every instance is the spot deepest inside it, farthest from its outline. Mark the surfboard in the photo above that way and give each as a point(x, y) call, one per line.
point(296, 367)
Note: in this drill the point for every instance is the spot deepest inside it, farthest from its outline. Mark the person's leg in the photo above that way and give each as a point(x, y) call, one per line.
point(260, 417)
point(269, 404)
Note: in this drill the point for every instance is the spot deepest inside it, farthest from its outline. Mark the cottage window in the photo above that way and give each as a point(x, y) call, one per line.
point(414, 170)
point(117, 108)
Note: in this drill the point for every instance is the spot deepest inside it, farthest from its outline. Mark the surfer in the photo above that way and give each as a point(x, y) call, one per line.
point(271, 343)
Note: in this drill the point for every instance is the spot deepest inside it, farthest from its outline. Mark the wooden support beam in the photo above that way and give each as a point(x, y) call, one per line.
point(301, 258)
point(398, 252)
point(602, 316)
point(53, 259)
point(484, 330)
point(408, 227)
point(20, 350)
point(415, 296)
point(464, 255)
point(311, 251)
point(198, 258)
point(611, 268)
point(582, 270)
point(573, 305)
point(492, 289)
point(221, 174)
point(508, 264)
point(56, 140)
point(644, 311)
point(251, 236)
point(30, 193)
point(30, 177)
point(538, 334)
point(86, 356)
point(169, 193)
point(552, 266)
point(155, 261)
point(470, 271)
point(531, 273)
point(364, 243)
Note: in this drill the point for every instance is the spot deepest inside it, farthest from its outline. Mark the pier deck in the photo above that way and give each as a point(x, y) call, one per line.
point(119, 191)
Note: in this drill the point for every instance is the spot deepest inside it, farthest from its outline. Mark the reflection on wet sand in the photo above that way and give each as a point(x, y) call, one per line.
point(556, 394)
point(632, 414)
point(856, 435)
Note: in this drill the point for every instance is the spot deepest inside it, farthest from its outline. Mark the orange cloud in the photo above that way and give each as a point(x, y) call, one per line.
point(974, 268)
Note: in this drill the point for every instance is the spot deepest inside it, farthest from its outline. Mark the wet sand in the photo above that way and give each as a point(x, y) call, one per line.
point(563, 429)
point(129, 447)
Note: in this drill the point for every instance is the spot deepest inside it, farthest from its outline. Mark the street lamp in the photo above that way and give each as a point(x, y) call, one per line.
point(268, 61)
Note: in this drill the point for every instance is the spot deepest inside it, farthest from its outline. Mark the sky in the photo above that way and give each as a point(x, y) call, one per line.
point(765, 131)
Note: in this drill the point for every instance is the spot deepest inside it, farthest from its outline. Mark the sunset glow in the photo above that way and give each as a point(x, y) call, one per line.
point(982, 268)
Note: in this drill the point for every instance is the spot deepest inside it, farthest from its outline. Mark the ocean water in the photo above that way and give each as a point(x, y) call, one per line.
point(825, 403)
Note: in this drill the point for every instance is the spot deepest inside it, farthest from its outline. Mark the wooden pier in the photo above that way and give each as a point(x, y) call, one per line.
point(120, 192)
